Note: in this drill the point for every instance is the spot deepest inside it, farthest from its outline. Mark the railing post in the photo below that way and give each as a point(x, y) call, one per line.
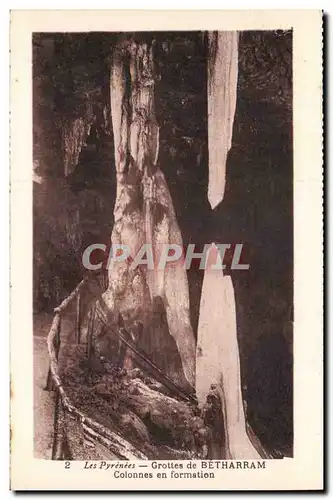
point(58, 430)
point(78, 317)
point(90, 332)
point(58, 417)
point(57, 338)
point(49, 382)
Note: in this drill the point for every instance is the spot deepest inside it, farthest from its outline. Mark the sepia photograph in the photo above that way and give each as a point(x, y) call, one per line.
point(154, 154)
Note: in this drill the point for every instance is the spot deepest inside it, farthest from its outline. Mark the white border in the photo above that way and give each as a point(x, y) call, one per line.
point(303, 472)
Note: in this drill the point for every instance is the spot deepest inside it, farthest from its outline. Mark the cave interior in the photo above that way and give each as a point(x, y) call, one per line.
point(75, 194)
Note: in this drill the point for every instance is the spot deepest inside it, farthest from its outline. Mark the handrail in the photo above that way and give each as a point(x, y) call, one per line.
point(65, 303)
point(117, 445)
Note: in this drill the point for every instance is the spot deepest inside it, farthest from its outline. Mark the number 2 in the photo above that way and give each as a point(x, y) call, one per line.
point(67, 465)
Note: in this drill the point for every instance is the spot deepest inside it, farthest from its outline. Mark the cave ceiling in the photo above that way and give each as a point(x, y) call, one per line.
point(79, 65)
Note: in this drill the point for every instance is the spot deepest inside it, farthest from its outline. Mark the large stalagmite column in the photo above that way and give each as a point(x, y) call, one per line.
point(144, 210)
point(218, 359)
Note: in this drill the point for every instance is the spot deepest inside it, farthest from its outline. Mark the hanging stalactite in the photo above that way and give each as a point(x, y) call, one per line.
point(222, 95)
